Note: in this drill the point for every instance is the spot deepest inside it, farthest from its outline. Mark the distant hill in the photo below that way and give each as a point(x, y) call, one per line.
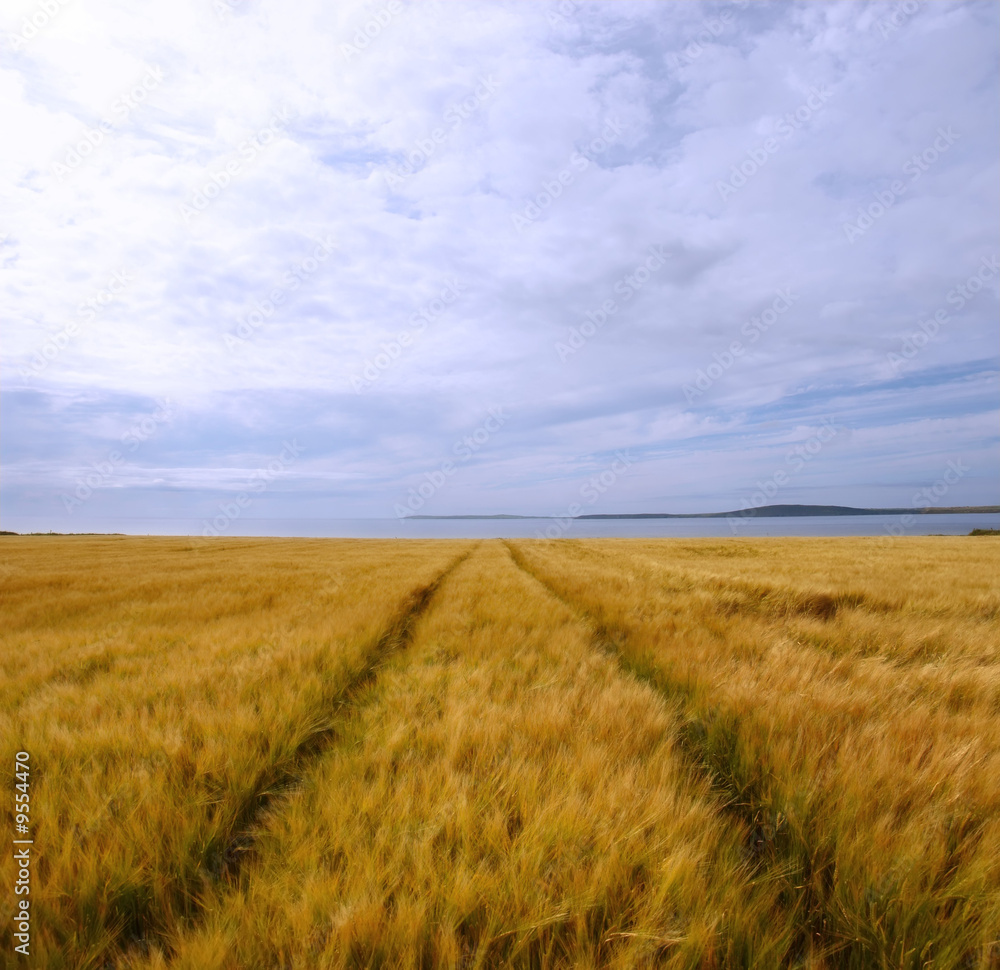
point(765, 511)
point(778, 511)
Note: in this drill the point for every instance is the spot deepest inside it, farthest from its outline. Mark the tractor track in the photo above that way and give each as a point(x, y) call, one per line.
point(227, 858)
point(709, 742)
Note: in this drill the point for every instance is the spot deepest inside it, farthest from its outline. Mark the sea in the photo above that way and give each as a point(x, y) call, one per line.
point(553, 528)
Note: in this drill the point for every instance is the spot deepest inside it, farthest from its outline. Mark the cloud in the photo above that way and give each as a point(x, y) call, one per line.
point(405, 138)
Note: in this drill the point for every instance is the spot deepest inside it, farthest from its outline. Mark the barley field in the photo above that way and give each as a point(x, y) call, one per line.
point(251, 753)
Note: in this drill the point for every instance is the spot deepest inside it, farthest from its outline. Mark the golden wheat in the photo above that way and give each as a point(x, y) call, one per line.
point(846, 694)
point(338, 753)
point(161, 688)
point(503, 796)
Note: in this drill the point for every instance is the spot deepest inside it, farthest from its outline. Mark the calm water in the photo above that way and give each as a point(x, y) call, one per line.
point(841, 525)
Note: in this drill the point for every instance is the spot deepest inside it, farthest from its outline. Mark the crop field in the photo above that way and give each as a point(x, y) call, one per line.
point(316, 753)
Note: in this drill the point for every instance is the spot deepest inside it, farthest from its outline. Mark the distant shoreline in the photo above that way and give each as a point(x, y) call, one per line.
point(765, 511)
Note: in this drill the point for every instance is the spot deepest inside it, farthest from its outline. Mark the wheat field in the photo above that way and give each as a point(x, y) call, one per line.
point(252, 753)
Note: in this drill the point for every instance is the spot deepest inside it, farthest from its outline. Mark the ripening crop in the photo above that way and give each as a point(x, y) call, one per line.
point(257, 753)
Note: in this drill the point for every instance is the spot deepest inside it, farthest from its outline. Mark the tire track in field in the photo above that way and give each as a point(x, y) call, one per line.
point(396, 637)
point(709, 741)
point(230, 853)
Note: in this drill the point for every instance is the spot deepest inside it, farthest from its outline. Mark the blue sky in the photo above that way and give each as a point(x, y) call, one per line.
point(348, 260)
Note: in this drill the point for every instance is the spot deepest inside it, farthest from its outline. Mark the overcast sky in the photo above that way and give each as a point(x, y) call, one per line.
point(350, 259)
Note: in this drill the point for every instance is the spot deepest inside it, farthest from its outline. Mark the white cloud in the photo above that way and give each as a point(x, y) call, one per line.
point(553, 84)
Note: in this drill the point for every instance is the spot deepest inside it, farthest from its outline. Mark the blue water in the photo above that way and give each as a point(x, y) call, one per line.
point(840, 525)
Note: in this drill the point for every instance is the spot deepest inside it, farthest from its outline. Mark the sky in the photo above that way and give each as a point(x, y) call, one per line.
point(320, 261)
